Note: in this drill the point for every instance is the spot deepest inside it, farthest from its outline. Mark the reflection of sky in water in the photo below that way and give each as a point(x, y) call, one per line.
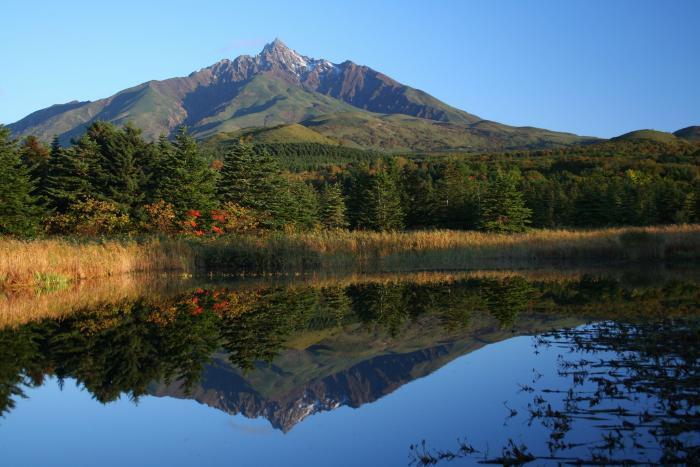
point(464, 398)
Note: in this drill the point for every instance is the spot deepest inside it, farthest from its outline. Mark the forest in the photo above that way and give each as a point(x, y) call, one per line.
point(112, 181)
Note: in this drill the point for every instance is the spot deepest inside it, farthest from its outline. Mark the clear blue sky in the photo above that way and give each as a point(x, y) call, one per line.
point(594, 67)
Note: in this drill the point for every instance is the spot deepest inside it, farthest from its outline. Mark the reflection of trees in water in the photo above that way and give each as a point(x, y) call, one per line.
point(507, 298)
point(636, 387)
point(122, 347)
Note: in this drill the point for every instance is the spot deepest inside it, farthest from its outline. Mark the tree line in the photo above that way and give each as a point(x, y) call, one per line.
point(112, 181)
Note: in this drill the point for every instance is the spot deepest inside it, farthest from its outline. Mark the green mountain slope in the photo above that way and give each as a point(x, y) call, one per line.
point(402, 133)
point(292, 133)
point(647, 135)
point(151, 106)
point(267, 101)
point(691, 133)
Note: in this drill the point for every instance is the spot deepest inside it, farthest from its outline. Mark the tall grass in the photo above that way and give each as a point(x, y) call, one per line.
point(447, 249)
point(26, 263)
point(22, 262)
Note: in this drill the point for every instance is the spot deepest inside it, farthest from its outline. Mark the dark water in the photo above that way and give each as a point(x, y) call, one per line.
point(454, 370)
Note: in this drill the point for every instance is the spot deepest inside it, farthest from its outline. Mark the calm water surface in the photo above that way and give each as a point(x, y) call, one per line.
point(448, 369)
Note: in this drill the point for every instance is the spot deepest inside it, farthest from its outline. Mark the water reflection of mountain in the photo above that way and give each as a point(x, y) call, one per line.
point(348, 368)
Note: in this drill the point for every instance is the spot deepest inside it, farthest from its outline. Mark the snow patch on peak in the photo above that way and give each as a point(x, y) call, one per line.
point(276, 52)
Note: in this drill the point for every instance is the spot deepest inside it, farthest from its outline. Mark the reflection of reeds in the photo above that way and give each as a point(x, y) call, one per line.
point(22, 262)
point(23, 306)
point(20, 306)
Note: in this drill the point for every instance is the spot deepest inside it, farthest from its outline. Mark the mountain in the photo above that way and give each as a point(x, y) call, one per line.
point(647, 135)
point(351, 104)
point(691, 133)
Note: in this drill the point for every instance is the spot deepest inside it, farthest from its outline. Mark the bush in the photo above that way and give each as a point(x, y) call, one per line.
point(234, 218)
point(160, 218)
point(90, 217)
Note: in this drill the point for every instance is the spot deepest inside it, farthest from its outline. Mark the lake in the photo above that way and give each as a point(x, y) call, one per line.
point(416, 369)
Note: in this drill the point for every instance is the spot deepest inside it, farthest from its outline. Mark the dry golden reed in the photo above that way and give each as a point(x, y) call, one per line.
point(23, 263)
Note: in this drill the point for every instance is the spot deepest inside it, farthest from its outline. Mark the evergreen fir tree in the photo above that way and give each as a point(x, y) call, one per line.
point(333, 211)
point(382, 209)
point(70, 171)
point(304, 205)
point(451, 207)
point(359, 181)
point(120, 176)
point(255, 181)
point(183, 177)
point(548, 200)
point(687, 213)
point(20, 213)
point(36, 156)
point(235, 182)
point(420, 199)
point(502, 206)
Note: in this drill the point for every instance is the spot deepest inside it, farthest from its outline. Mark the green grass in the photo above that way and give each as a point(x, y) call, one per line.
point(50, 282)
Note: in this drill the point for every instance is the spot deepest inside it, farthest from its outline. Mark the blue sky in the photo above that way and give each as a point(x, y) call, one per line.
point(594, 67)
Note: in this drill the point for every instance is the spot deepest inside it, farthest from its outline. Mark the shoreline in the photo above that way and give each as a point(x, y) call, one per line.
point(47, 264)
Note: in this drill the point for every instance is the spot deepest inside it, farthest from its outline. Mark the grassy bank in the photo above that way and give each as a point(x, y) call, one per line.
point(47, 264)
point(51, 263)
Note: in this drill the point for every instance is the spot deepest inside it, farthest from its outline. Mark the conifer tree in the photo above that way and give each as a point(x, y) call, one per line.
point(19, 212)
point(120, 176)
point(304, 205)
point(36, 157)
point(333, 211)
point(687, 213)
point(255, 181)
point(451, 207)
point(70, 174)
point(420, 199)
point(502, 206)
point(382, 209)
point(235, 182)
point(359, 180)
point(183, 177)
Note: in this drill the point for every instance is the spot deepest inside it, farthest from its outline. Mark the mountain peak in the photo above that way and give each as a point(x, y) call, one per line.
point(277, 52)
point(276, 45)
